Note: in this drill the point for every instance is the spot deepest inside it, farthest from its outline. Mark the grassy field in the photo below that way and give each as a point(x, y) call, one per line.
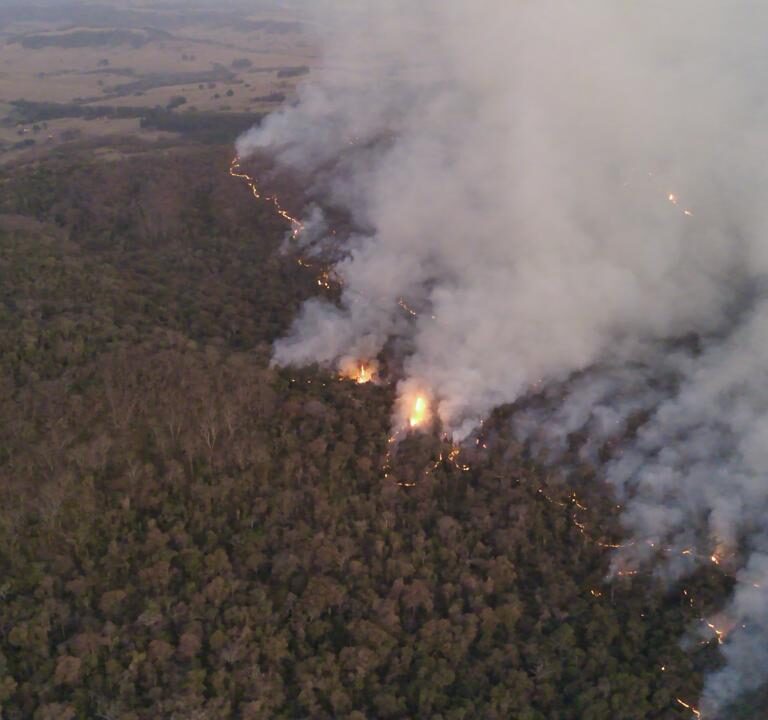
point(146, 56)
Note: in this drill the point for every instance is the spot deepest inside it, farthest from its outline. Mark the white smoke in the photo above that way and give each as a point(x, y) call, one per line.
point(553, 187)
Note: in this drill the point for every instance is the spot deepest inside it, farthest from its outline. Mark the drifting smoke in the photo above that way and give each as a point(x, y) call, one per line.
point(559, 188)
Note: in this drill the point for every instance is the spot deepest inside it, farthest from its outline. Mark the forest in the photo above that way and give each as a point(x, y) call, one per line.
point(189, 533)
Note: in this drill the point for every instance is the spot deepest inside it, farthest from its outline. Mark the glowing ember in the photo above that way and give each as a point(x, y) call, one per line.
point(627, 573)
point(405, 306)
point(675, 200)
point(325, 280)
point(419, 412)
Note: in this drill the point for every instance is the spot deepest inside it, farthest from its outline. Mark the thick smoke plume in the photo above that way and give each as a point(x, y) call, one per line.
point(559, 188)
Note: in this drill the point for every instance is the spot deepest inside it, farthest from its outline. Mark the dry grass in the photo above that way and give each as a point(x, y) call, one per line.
point(65, 75)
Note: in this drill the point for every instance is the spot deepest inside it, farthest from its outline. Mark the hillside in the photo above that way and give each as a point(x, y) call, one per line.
point(188, 533)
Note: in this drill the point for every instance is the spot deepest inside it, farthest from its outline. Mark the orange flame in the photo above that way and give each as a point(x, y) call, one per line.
point(364, 375)
point(361, 371)
point(721, 625)
point(719, 634)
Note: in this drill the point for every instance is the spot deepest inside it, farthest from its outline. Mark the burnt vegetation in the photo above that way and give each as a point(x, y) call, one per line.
point(186, 532)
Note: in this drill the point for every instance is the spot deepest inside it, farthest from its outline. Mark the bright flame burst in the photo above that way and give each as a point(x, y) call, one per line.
point(419, 412)
point(361, 371)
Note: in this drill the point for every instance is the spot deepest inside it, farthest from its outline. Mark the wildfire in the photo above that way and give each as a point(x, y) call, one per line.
point(675, 200)
point(405, 306)
point(419, 412)
point(324, 280)
point(575, 500)
point(695, 711)
point(453, 458)
point(613, 546)
point(721, 625)
point(361, 371)
point(627, 573)
point(236, 171)
point(719, 634)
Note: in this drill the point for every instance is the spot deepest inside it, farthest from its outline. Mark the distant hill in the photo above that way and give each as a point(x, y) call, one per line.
point(91, 38)
point(106, 16)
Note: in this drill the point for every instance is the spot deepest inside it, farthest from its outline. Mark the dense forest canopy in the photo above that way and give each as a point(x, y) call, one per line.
point(188, 533)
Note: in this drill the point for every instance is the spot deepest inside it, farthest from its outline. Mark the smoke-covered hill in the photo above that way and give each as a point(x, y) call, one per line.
point(187, 533)
point(569, 195)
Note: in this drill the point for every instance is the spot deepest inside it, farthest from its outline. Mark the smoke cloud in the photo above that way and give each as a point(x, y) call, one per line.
point(561, 192)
